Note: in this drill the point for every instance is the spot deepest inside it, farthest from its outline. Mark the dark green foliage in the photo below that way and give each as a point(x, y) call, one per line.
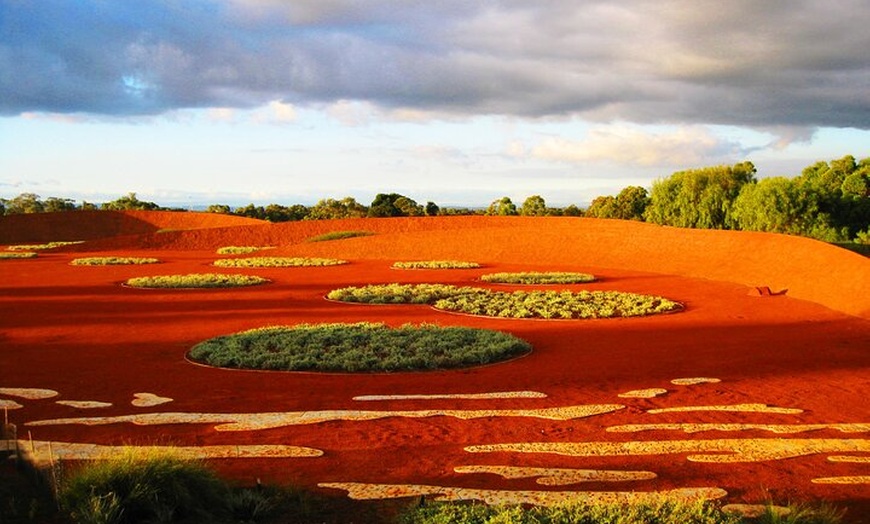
point(361, 347)
point(196, 280)
point(534, 206)
point(129, 202)
point(502, 207)
point(339, 235)
point(394, 205)
point(330, 208)
point(538, 278)
point(629, 204)
point(698, 198)
point(139, 487)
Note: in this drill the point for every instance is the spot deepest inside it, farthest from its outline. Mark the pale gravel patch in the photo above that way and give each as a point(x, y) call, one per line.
point(692, 381)
point(855, 460)
point(853, 479)
point(715, 451)
point(773, 428)
point(258, 421)
point(362, 491)
point(147, 400)
point(755, 510)
point(458, 396)
point(43, 452)
point(736, 408)
point(29, 393)
point(9, 404)
point(643, 393)
point(559, 476)
point(84, 404)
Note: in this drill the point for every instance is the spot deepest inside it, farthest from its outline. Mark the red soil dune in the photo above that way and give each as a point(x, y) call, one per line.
point(794, 367)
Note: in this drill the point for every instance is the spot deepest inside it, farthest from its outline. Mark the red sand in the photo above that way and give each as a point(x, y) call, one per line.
point(77, 331)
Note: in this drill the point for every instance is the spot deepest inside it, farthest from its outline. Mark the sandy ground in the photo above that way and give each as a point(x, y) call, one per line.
point(786, 419)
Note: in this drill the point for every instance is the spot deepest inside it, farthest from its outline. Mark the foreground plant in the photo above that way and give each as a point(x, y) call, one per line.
point(436, 264)
point(196, 280)
point(240, 250)
point(339, 235)
point(112, 261)
point(360, 347)
point(278, 262)
point(538, 278)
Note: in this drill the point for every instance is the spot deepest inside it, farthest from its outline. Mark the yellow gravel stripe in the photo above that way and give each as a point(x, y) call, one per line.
point(738, 408)
point(773, 428)
point(559, 476)
point(459, 396)
point(29, 393)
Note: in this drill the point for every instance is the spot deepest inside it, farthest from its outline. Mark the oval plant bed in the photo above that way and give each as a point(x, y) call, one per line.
point(360, 347)
point(112, 261)
point(339, 235)
point(538, 278)
point(278, 262)
point(398, 293)
point(195, 280)
point(240, 250)
point(17, 254)
point(436, 264)
point(557, 304)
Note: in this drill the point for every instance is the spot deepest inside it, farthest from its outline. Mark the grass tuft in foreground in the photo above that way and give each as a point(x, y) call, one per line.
point(538, 278)
point(112, 261)
point(436, 264)
point(361, 347)
point(196, 280)
point(240, 250)
point(17, 254)
point(41, 247)
point(339, 235)
point(278, 262)
point(662, 512)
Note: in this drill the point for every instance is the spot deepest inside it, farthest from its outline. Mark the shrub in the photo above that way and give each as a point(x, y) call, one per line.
point(556, 304)
point(277, 262)
point(436, 264)
point(538, 278)
point(111, 261)
point(196, 280)
point(240, 250)
point(360, 347)
point(339, 235)
point(17, 254)
point(40, 247)
point(143, 486)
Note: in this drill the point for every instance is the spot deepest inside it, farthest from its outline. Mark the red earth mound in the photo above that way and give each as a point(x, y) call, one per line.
point(787, 420)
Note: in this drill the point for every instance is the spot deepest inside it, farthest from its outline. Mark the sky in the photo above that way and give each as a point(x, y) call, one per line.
point(190, 102)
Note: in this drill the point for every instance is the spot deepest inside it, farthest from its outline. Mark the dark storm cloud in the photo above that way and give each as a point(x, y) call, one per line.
point(743, 62)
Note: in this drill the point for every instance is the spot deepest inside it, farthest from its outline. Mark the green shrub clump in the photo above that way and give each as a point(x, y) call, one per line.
point(40, 247)
point(149, 486)
point(361, 347)
point(538, 278)
point(277, 262)
point(112, 261)
point(240, 250)
point(17, 254)
point(196, 280)
point(556, 304)
point(339, 235)
point(398, 293)
point(436, 264)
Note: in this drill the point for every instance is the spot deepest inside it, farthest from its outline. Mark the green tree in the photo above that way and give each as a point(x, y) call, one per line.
point(251, 211)
point(502, 207)
point(24, 203)
point(330, 208)
point(219, 208)
point(699, 198)
point(408, 207)
point(602, 207)
point(572, 211)
point(534, 206)
point(55, 204)
point(394, 205)
point(129, 202)
point(432, 209)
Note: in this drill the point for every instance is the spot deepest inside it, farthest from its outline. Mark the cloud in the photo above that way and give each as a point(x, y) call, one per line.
point(635, 146)
point(792, 64)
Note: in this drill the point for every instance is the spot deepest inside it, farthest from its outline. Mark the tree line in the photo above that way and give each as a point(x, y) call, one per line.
point(828, 201)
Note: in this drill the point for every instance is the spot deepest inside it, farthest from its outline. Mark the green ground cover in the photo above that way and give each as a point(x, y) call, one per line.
point(538, 278)
point(278, 262)
point(435, 264)
point(112, 261)
point(196, 280)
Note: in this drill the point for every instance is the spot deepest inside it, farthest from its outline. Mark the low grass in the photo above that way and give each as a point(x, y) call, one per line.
point(196, 280)
point(278, 262)
point(17, 254)
point(112, 261)
point(662, 512)
point(42, 247)
point(144, 486)
point(518, 304)
point(538, 278)
point(339, 235)
point(436, 264)
point(360, 347)
point(240, 250)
